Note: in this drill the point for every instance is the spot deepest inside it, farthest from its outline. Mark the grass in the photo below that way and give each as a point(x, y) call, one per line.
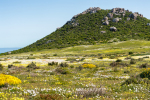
point(68, 82)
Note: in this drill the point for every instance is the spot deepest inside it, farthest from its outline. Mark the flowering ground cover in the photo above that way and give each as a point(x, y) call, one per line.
point(104, 76)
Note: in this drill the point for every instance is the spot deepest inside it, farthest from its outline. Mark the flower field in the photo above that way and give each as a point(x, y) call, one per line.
point(76, 77)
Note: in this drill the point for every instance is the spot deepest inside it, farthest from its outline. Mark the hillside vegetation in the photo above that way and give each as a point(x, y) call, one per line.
point(85, 29)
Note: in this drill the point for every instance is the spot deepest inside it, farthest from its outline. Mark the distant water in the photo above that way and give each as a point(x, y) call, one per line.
point(3, 50)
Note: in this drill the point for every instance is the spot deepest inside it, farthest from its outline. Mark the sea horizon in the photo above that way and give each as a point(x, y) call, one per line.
point(3, 50)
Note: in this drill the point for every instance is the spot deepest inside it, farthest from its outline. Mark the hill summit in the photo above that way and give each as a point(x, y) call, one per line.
point(95, 25)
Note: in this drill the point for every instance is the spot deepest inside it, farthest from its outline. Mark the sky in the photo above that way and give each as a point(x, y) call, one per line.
point(23, 22)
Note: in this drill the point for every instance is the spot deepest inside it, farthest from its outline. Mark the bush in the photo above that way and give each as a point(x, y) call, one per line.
point(10, 66)
point(116, 70)
point(140, 59)
point(145, 74)
point(79, 68)
point(129, 81)
point(52, 73)
point(130, 53)
point(63, 64)
point(133, 61)
point(61, 71)
point(126, 71)
point(118, 60)
point(52, 63)
point(33, 66)
point(49, 97)
point(1, 67)
point(144, 65)
point(71, 66)
point(100, 58)
point(55, 54)
point(82, 59)
point(86, 65)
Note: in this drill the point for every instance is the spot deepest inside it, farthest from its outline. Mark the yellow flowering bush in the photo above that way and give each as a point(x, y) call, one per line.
point(8, 79)
point(88, 66)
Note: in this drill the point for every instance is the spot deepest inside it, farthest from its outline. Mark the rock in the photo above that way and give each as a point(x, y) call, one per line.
point(103, 32)
point(49, 41)
point(115, 19)
point(128, 19)
point(75, 24)
point(133, 15)
point(148, 24)
point(110, 15)
point(113, 28)
point(106, 22)
point(105, 18)
point(118, 10)
point(123, 15)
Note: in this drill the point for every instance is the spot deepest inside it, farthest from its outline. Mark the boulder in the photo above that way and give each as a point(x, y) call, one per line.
point(103, 32)
point(49, 41)
point(113, 28)
point(110, 15)
point(115, 19)
point(148, 24)
point(106, 22)
point(128, 19)
point(105, 18)
point(133, 15)
point(118, 10)
point(123, 15)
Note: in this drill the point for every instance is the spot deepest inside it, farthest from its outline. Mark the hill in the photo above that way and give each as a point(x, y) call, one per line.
point(95, 25)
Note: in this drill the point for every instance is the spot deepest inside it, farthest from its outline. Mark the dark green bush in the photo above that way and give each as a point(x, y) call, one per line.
point(52, 73)
point(52, 63)
point(130, 53)
point(145, 74)
point(126, 71)
point(1, 67)
point(129, 81)
point(62, 71)
point(133, 61)
point(118, 60)
point(144, 65)
point(55, 54)
point(10, 66)
point(33, 66)
point(63, 64)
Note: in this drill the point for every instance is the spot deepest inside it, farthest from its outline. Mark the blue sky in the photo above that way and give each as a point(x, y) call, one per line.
point(23, 22)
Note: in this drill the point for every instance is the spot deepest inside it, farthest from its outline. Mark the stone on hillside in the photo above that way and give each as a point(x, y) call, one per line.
point(115, 19)
point(148, 24)
point(133, 15)
point(113, 28)
point(110, 15)
point(123, 15)
point(105, 18)
point(103, 32)
point(49, 41)
point(128, 19)
point(118, 10)
point(106, 22)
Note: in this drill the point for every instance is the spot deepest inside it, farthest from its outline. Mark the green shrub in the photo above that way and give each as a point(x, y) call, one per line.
point(130, 53)
point(1, 67)
point(63, 64)
point(82, 59)
point(52, 73)
point(62, 71)
point(71, 66)
point(10, 66)
point(49, 97)
point(55, 54)
point(144, 65)
point(116, 70)
point(52, 63)
point(126, 71)
point(145, 74)
point(33, 66)
point(129, 81)
point(118, 60)
point(133, 61)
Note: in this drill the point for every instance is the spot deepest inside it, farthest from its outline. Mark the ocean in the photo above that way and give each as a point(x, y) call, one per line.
point(3, 50)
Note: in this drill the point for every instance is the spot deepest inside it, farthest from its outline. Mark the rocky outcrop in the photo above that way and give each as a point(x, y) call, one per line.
point(115, 19)
point(117, 10)
point(134, 15)
point(148, 24)
point(110, 15)
point(49, 41)
point(106, 22)
point(73, 22)
point(91, 10)
point(113, 28)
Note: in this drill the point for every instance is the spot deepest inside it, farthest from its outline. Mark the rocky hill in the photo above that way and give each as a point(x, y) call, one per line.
point(95, 25)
